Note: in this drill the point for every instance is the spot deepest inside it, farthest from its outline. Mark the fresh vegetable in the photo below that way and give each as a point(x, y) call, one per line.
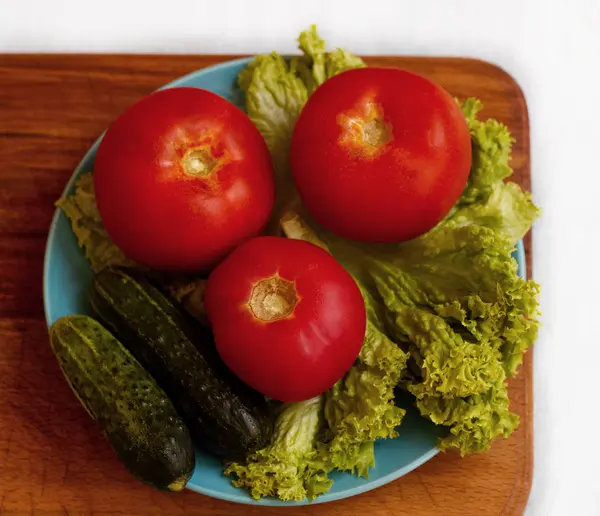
point(380, 154)
point(82, 211)
point(225, 417)
point(181, 178)
point(287, 318)
point(135, 415)
point(292, 467)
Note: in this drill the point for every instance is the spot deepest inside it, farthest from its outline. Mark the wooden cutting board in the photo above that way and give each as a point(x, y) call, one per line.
point(53, 459)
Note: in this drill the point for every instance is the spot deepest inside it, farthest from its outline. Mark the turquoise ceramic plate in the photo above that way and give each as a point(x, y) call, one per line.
point(67, 277)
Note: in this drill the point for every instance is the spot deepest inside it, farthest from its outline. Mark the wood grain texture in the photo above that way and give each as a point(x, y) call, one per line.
point(53, 459)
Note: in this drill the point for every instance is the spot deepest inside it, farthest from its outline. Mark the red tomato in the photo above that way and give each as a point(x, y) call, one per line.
point(288, 319)
point(380, 154)
point(181, 178)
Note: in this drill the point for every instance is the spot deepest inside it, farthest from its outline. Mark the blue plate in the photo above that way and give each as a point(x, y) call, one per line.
point(67, 277)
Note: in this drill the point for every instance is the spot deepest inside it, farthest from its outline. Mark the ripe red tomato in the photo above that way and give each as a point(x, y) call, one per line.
point(380, 154)
point(181, 178)
point(288, 319)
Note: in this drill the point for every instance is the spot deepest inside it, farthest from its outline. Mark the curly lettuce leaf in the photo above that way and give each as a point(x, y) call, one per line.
point(475, 421)
point(360, 407)
point(491, 146)
point(450, 365)
point(81, 210)
point(274, 95)
point(293, 466)
point(453, 298)
point(316, 65)
point(462, 341)
point(449, 297)
point(508, 210)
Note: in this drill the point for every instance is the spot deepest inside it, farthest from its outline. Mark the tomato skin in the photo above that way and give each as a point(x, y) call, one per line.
point(163, 217)
point(399, 187)
point(303, 354)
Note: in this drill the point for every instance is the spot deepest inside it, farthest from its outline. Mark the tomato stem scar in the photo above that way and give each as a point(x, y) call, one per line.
point(364, 129)
point(375, 132)
point(198, 162)
point(273, 299)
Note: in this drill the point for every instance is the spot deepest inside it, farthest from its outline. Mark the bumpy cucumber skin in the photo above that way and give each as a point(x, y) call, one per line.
point(225, 417)
point(134, 413)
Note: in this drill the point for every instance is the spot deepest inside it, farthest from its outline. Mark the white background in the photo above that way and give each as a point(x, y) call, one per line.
point(551, 47)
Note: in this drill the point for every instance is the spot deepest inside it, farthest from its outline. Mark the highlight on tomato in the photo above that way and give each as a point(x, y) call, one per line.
point(380, 154)
point(181, 178)
point(287, 318)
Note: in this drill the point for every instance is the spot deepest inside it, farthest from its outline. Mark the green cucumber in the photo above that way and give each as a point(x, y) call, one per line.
point(134, 413)
point(225, 416)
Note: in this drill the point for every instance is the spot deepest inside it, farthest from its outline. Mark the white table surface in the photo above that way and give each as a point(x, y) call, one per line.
point(549, 46)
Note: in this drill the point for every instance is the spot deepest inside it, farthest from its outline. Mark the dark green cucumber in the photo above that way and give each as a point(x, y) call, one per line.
point(134, 413)
point(225, 416)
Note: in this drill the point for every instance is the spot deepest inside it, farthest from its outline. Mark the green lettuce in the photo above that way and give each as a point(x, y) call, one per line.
point(316, 65)
point(492, 144)
point(293, 466)
point(81, 210)
point(507, 209)
point(474, 421)
point(360, 408)
point(488, 200)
